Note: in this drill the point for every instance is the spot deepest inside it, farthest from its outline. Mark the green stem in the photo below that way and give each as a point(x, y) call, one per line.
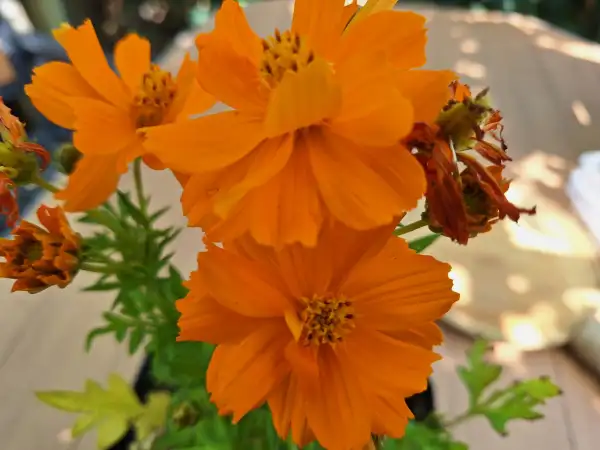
point(139, 185)
point(45, 185)
point(94, 268)
point(410, 227)
point(459, 419)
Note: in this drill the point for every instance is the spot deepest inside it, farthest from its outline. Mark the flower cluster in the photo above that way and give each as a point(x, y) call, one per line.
point(333, 133)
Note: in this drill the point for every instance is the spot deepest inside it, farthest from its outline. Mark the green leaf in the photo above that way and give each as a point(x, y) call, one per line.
point(111, 429)
point(479, 374)
point(518, 401)
point(103, 286)
point(102, 217)
point(154, 416)
point(112, 410)
point(63, 400)
point(420, 244)
point(181, 363)
point(158, 214)
point(128, 209)
point(92, 335)
point(135, 339)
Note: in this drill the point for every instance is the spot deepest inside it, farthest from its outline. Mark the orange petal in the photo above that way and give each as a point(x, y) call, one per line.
point(205, 144)
point(287, 408)
point(132, 58)
point(94, 180)
point(51, 86)
point(100, 128)
point(366, 346)
point(303, 98)
point(284, 210)
point(203, 319)
point(399, 35)
point(353, 192)
point(427, 90)
point(339, 390)
point(400, 289)
point(374, 112)
point(231, 24)
point(230, 77)
point(349, 12)
point(190, 98)
point(241, 376)
point(321, 23)
point(86, 54)
point(240, 285)
point(268, 159)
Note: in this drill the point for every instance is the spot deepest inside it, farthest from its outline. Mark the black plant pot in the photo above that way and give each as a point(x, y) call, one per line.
point(421, 404)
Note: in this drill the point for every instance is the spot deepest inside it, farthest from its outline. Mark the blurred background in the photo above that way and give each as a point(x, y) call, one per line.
point(532, 288)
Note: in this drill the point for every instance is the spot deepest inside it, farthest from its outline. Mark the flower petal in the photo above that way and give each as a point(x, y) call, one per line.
point(338, 413)
point(240, 285)
point(241, 376)
point(367, 348)
point(205, 144)
point(230, 77)
point(399, 35)
point(52, 85)
point(321, 23)
point(353, 192)
point(83, 48)
point(206, 320)
point(302, 99)
point(287, 408)
point(231, 24)
point(94, 180)
point(268, 159)
point(100, 128)
point(132, 58)
point(427, 90)
point(374, 112)
point(190, 99)
point(400, 289)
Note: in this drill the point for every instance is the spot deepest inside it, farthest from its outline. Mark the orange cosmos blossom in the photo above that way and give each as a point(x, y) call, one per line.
point(333, 337)
point(108, 111)
point(318, 115)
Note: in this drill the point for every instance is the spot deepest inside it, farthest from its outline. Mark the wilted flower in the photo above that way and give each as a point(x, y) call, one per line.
point(464, 196)
point(38, 258)
point(21, 162)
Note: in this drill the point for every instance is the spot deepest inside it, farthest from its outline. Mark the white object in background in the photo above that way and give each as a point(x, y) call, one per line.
point(583, 188)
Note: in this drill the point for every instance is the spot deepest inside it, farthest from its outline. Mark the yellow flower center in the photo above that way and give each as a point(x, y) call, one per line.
point(154, 97)
point(326, 320)
point(282, 53)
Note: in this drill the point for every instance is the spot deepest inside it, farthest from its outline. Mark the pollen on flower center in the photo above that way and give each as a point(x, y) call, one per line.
point(284, 52)
point(154, 97)
point(325, 320)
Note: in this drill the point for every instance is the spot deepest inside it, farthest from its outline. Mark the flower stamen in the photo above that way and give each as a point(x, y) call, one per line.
point(282, 53)
point(154, 97)
point(325, 320)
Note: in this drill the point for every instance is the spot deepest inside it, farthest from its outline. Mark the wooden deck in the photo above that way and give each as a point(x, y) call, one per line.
point(41, 337)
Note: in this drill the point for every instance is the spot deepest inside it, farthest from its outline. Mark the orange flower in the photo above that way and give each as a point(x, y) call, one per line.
point(38, 258)
point(318, 114)
point(333, 338)
point(464, 197)
point(108, 112)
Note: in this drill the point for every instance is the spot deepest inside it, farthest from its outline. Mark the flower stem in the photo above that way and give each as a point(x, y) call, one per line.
point(458, 419)
point(45, 185)
point(94, 268)
point(139, 185)
point(410, 227)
